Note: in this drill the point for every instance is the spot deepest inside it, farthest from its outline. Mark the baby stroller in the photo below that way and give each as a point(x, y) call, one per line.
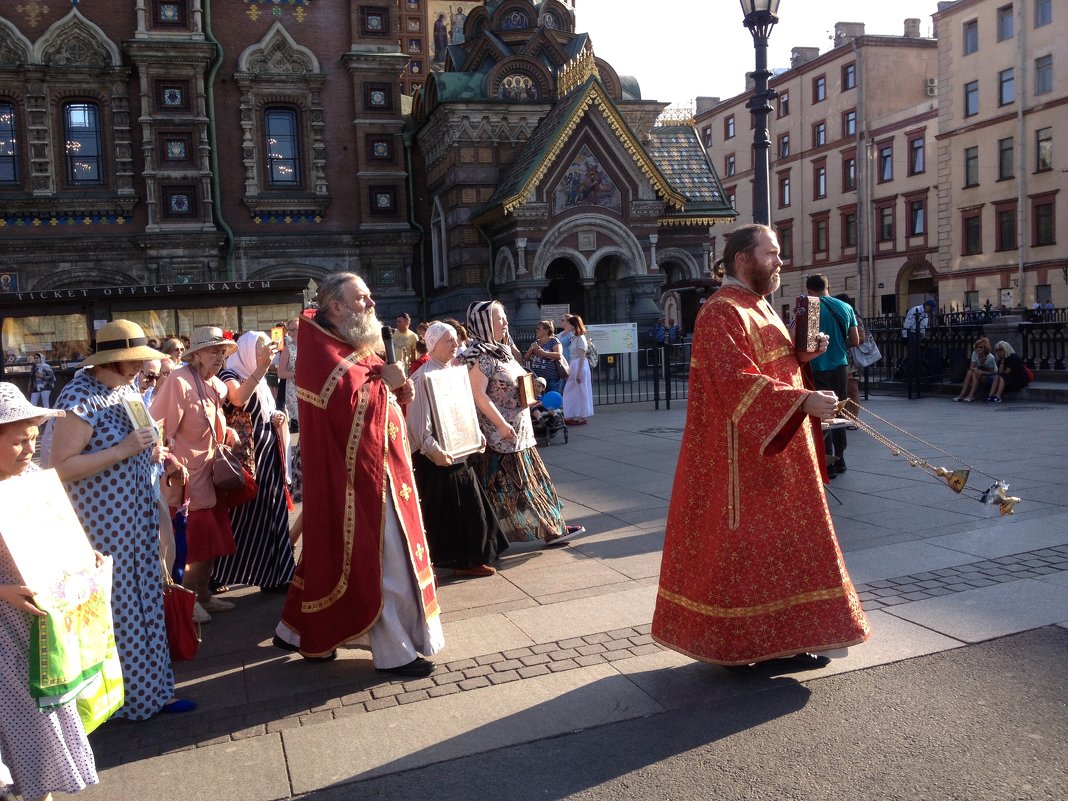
point(547, 417)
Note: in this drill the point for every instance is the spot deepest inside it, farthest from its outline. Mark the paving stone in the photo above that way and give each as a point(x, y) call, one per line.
point(944, 572)
point(482, 670)
point(982, 582)
point(641, 639)
point(1045, 571)
point(904, 589)
point(408, 698)
point(516, 653)
point(349, 711)
point(935, 591)
point(958, 587)
point(356, 698)
point(615, 656)
point(448, 689)
point(533, 670)
point(535, 659)
point(386, 690)
point(564, 664)
point(923, 576)
point(589, 659)
point(644, 628)
point(593, 639)
point(619, 634)
point(419, 684)
point(882, 584)
point(282, 725)
point(508, 664)
point(592, 648)
point(451, 677)
point(919, 595)
point(1006, 577)
point(544, 647)
point(311, 719)
point(573, 642)
point(646, 648)
point(488, 659)
point(251, 731)
point(504, 677)
point(474, 684)
point(871, 606)
point(382, 703)
point(617, 645)
point(886, 593)
point(893, 600)
point(566, 653)
point(929, 585)
point(462, 664)
point(333, 703)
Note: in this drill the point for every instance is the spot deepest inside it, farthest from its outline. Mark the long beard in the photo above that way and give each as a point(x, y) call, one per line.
point(361, 330)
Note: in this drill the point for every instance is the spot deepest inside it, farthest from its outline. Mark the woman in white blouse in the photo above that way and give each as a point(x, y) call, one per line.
point(578, 391)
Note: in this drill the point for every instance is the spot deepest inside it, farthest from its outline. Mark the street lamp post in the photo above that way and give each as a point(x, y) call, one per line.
point(760, 18)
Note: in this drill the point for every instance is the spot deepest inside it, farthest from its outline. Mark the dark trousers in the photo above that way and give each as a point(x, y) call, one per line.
point(836, 380)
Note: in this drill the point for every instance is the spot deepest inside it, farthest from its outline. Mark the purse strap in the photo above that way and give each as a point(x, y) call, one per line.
point(204, 402)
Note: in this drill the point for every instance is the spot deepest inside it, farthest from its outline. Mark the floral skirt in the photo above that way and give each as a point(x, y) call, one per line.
point(521, 494)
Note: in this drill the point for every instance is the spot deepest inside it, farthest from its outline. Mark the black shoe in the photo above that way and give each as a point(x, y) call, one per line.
point(840, 465)
point(278, 642)
point(831, 472)
point(417, 668)
point(276, 589)
point(805, 661)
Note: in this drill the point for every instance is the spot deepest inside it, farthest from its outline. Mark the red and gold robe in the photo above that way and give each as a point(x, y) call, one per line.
point(354, 448)
point(751, 567)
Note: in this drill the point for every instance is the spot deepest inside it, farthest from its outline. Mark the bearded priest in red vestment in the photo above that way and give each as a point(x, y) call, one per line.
point(751, 567)
point(364, 573)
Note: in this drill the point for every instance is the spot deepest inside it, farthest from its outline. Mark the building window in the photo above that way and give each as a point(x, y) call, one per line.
point(819, 88)
point(732, 195)
point(1043, 12)
point(9, 151)
point(885, 223)
point(971, 36)
point(1005, 160)
point(819, 180)
point(1006, 87)
point(819, 237)
point(728, 127)
point(916, 155)
point(729, 165)
point(971, 98)
point(971, 166)
point(1043, 149)
point(1042, 220)
point(706, 132)
point(849, 123)
point(849, 76)
point(917, 217)
point(784, 190)
point(84, 144)
point(786, 241)
point(1005, 232)
point(784, 104)
point(819, 134)
point(849, 174)
point(972, 227)
point(282, 139)
point(886, 162)
point(784, 145)
point(1004, 23)
point(1043, 75)
point(849, 229)
point(170, 12)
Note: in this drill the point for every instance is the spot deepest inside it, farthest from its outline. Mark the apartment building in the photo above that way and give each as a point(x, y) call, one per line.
point(1002, 105)
point(851, 180)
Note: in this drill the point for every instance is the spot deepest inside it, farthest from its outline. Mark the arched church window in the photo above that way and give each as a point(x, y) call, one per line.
point(515, 21)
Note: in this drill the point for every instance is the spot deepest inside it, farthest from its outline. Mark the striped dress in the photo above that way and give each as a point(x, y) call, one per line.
point(261, 527)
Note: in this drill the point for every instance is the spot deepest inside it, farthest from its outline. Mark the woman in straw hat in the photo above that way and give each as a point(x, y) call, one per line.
point(43, 752)
point(190, 407)
point(107, 465)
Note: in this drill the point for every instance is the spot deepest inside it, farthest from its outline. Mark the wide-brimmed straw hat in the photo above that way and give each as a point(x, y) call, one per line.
point(15, 407)
point(208, 336)
point(122, 341)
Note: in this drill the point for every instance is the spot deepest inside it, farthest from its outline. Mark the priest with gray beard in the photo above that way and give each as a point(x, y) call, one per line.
point(364, 575)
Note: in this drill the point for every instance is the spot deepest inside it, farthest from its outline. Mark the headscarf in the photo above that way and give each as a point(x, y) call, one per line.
point(480, 328)
point(243, 362)
point(434, 333)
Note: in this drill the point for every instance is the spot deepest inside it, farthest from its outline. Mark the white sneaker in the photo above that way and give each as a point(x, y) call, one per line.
point(200, 614)
point(218, 605)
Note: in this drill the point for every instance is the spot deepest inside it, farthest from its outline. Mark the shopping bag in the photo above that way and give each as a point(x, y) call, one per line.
point(105, 693)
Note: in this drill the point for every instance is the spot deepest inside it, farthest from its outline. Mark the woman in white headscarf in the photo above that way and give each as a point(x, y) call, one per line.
point(261, 527)
point(461, 529)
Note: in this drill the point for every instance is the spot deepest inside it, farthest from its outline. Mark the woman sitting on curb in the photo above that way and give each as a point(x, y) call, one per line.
point(980, 372)
point(1012, 373)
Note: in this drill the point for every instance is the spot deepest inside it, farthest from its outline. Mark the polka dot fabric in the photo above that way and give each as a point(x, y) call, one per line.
point(44, 752)
point(117, 509)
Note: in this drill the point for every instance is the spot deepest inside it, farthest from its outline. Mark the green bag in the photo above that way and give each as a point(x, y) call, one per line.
point(105, 693)
point(68, 645)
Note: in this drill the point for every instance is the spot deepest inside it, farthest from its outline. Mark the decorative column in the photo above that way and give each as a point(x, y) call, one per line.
point(653, 239)
point(521, 254)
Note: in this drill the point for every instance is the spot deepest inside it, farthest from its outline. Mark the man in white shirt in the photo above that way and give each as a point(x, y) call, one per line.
point(918, 318)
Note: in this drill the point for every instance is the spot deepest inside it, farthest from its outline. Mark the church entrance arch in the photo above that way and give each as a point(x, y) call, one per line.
point(565, 285)
point(917, 282)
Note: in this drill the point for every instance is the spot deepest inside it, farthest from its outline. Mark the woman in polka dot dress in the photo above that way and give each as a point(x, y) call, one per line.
point(40, 753)
point(106, 466)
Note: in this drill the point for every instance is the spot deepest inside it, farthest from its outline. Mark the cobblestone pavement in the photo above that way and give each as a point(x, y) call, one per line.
point(120, 743)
